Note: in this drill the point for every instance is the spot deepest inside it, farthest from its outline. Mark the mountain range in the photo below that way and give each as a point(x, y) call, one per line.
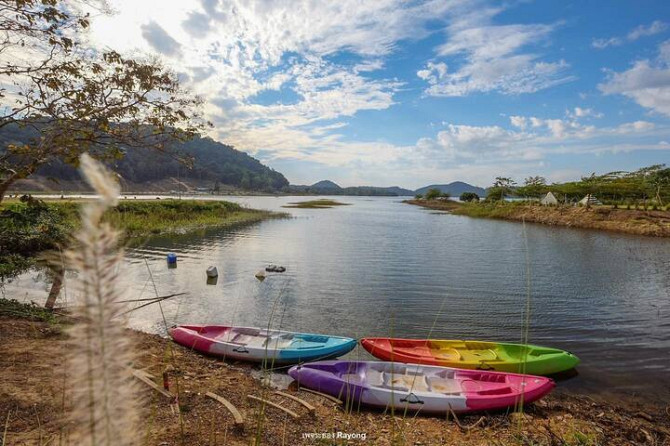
point(327, 187)
point(215, 167)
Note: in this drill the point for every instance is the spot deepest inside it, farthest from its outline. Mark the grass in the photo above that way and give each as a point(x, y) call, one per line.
point(29, 228)
point(142, 218)
point(12, 308)
point(315, 204)
point(641, 222)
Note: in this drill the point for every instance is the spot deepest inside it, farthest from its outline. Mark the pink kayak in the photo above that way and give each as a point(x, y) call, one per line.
point(429, 389)
point(260, 344)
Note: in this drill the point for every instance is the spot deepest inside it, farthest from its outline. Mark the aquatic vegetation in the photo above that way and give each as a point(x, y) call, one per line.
point(30, 227)
point(315, 204)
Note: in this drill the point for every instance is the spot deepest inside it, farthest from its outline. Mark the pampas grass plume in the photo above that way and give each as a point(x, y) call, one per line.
point(104, 401)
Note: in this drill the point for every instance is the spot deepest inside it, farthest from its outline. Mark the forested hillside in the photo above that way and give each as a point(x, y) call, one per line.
point(212, 164)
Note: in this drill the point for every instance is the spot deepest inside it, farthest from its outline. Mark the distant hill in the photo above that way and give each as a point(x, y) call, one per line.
point(454, 189)
point(215, 166)
point(327, 187)
point(325, 184)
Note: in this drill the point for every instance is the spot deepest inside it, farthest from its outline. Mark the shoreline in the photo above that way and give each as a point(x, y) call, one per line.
point(136, 219)
point(603, 218)
point(33, 400)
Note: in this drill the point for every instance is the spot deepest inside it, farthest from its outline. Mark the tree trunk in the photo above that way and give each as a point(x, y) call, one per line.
point(24, 172)
point(59, 275)
point(3, 188)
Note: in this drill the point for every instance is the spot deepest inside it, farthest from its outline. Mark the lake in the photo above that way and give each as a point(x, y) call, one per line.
point(380, 267)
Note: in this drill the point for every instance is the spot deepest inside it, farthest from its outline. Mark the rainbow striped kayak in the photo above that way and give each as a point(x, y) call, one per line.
point(499, 356)
point(421, 388)
point(259, 344)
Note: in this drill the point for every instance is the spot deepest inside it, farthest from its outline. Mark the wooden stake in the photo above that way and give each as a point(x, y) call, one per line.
point(237, 416)
point(323, 395)
point(147, 379)
point(304, 403)
point(276, 406)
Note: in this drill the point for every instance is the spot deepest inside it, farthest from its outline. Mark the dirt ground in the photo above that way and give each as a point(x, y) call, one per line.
point(34, 406)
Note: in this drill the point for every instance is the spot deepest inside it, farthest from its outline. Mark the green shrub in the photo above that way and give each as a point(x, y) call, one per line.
point(432, 194)
point(469, 196)
point(30, 227)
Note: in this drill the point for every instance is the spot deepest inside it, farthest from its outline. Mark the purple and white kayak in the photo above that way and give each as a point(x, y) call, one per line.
point(430, 389)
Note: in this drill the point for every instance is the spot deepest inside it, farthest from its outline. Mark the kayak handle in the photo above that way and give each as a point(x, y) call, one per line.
point(240, 350)
point(411, 399)
point(485, 367)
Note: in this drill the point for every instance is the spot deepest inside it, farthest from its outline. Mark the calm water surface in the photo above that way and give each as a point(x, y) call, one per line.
point(380, 267)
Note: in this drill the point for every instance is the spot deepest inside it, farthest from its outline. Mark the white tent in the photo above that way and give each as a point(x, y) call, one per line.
point(589, 200)
point(549, 200)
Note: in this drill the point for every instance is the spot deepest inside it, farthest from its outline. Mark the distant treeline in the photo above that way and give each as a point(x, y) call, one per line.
point(359, 190)
point(648, 183)
point(209, 161)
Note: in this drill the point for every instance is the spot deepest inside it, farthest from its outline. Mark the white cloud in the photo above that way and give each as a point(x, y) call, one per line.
point(236, 52)
point(655, 27)
point(635, 127)
point(646, 82)
point(532, 138)
point(579, 112)
point(604, 43)
point(231, 51)
point(519, 122)
point(492, 58)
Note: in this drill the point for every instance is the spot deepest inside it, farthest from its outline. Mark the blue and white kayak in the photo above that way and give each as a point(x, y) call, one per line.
point(259, 344)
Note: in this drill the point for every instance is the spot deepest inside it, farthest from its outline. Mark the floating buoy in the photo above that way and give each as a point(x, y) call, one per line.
point(212, 272)
point(260, 275)
point(172, 259)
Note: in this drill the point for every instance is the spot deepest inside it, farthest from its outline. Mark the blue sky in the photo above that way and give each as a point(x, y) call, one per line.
point(410, 93)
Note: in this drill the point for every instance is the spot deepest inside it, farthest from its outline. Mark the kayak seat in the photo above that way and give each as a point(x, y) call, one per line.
point(415, 383)
point(302, 345)
point(352, 378)
point(281, 342)
point(375, 378)
point(482, 355)
point(449, 354)
point(241, 339)
point(445, 386)
point(257, 341)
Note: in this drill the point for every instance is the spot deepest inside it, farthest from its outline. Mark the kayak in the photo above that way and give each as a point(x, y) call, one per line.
point(424, 388)
point(502, 357)
point(259, 344)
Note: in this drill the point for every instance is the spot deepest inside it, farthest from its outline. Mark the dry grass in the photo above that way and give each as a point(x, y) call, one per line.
point(649, 223)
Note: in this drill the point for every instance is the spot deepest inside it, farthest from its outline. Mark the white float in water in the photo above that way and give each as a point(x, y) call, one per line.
point(212, 272)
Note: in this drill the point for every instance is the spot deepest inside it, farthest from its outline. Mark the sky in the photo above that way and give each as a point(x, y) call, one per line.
point(411, 93)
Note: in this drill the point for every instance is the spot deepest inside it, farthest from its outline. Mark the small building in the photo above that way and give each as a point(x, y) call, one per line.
point(589, 200)
point(549, 200)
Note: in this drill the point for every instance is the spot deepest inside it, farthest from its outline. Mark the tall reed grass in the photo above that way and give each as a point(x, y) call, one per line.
point(105, 405)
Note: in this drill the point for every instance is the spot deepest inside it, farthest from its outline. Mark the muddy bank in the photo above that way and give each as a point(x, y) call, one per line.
point(629, 221)
point(34, 404)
